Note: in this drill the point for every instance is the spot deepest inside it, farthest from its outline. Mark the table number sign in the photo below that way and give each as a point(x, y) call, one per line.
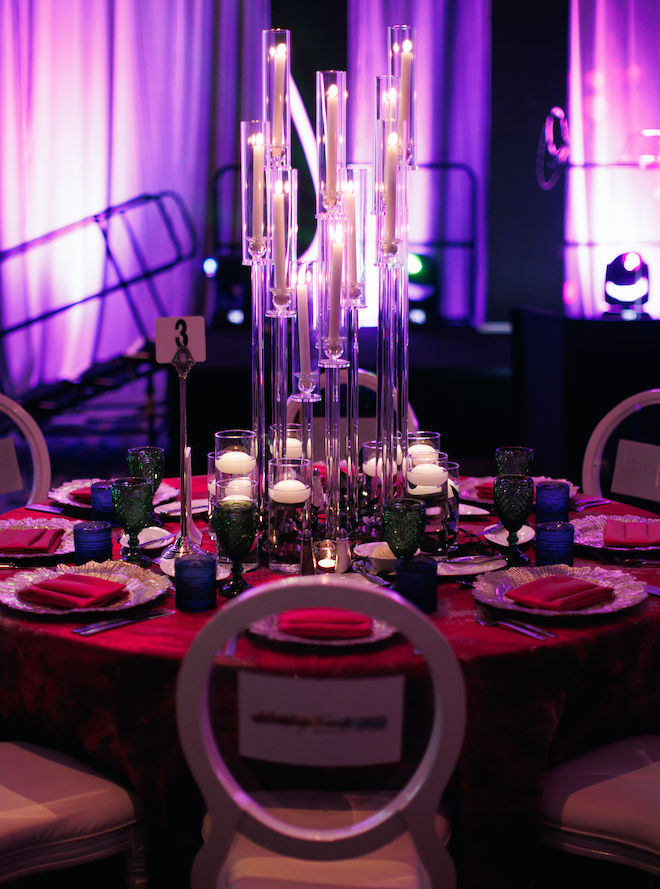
point(328, 722)
point(176, 334)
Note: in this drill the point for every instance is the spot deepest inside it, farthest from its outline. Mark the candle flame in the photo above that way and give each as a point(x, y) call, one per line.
point(338, 234)
point(281, 50)
point(257, 140)
point(393, 139)
point(395, 47)
point(333, 91)
point(348, 187)
point(278, 188)
point(407, 46)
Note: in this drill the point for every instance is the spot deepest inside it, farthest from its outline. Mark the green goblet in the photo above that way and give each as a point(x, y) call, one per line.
point(514, 460)
point(235, 520)
point(403, 526)
point(131, 498)
point(148, 462)
point(513, 496)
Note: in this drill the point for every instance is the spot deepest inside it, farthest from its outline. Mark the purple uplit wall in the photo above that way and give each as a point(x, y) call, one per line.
point(453, 124)
point(613, 180)
point(100, 101)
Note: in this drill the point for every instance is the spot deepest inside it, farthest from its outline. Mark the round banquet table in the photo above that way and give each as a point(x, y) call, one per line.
point(109, 699)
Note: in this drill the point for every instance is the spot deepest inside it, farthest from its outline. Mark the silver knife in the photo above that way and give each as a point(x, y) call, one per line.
point(103, 625)
point(45, 507)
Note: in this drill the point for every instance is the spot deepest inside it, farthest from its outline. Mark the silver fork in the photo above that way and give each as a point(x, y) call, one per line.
point(487, 620)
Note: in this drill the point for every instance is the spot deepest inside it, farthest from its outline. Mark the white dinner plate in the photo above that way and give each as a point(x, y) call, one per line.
point(469, 509)
point(64, 546)
point(174, 509)
point(142, 586)
point(152, 537)
point(491, 589)
point(222, 570)
point(466, 566)
point(499, 535)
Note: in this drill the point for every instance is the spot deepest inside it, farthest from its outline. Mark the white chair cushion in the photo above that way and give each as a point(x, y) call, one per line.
point(53, 807)
point(611, 794)
point(393, 866)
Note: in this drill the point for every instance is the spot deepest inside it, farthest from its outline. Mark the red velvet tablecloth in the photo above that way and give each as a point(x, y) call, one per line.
point(110, 699)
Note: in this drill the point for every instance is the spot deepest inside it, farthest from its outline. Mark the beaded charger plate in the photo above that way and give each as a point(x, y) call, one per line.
point(589, 531)
point(64, 494)
point(142, 586)
point(64, 546)
point(492, 589)
point(267, 626)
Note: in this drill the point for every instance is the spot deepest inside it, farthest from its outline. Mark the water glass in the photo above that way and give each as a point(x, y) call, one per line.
point(92, 542)
point(289, 500)
point(236, 520)
point(417, 581)
point(554, 543)
point(403, 526)
point(194, 582)
point(132, 501)
point(514, 460)
point(101, 496)
point(552, 501)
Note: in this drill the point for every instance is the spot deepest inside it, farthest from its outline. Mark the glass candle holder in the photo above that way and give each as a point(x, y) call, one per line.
point(289, 496)
point(211, 488)
point(101, 498)
point(402, 46)
point(554, 543)
point(276, 78)
point(293, 446)
point(255, 144)
point(332, 317)
point(388, 205)
point(306, 353)
point(325, 556)
point(354, 209)
point(330, 136)
point(235, 453)
point(195, 583)
point(92, 542)
point(424, 446)
point(282, 193)
point(552, 501)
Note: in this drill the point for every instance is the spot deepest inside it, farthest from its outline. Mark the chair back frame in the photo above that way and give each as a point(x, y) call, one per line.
point(37, 444)
point(413, 809)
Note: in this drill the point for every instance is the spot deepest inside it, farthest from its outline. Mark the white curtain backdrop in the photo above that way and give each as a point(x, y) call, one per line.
point(613, 181)
point(100, 101)
point(453, 125)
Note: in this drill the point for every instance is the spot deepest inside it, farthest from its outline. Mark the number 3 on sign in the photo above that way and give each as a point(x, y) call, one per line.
point(172, 334)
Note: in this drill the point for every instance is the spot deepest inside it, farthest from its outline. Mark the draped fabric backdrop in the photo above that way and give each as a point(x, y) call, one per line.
point(614, 119)
point(100, 101)
point(453, 125)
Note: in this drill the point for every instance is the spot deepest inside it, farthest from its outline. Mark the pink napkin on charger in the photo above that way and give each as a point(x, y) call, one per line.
point(84, 494)
point(324, 623)
point(558, 592)
point(484, 490)
point(30, 540)
point(620, 533)
point(74, 591)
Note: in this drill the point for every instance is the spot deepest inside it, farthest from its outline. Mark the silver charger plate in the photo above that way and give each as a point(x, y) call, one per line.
point(64, 546)
point(64, 493)
point(491, 589)
point(267, 627)
point(589, 531)
point(142, 585)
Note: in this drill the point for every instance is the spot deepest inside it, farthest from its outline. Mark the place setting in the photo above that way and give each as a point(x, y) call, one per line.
point(24, 541)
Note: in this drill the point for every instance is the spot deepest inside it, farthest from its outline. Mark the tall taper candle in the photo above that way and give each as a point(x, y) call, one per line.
point(280, 236)
point(278, 111)
point(404, 102)
point(303, 328)
point(351, 243)
point(258, 186)
point(331, 139)
point(335, 284)
point(392, 151)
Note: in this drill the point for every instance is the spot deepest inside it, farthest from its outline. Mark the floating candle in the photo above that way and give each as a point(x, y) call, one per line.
point(290, 490)
point(235, 463)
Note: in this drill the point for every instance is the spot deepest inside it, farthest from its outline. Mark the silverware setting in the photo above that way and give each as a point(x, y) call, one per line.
point(536, 632)
point(102, 625)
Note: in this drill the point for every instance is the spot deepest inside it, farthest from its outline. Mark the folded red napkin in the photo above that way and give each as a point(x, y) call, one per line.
point(560, 593)
point(485, 490)
point(84, 495)
point(620, 533)
point(324, 623)
point(74, 591)
point(30, 540)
